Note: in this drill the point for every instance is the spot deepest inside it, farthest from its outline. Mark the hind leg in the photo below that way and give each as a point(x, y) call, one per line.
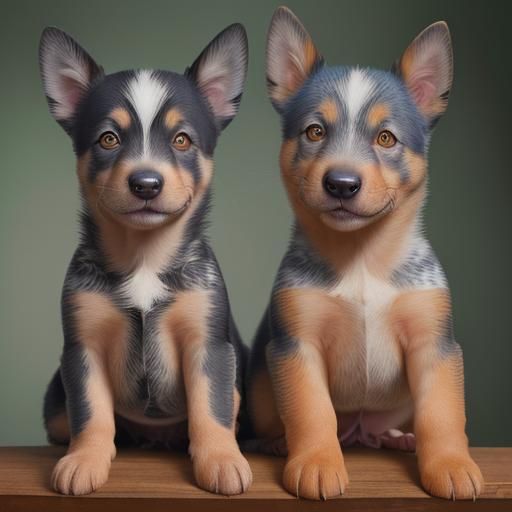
point(378, 429)
point(267, 425)
point(54, 412)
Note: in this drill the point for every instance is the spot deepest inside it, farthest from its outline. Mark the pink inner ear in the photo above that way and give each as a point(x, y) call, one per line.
point(423, 92)
point(215, 91)
point(72, 90)
point(293, 75)
point(422, 83)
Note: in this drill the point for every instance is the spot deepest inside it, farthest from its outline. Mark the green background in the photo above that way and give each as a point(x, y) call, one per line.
point(468, 216)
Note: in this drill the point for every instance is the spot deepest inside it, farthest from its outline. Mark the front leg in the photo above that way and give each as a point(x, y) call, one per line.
point(315, 467)
point(436, 378)
point(90, 321)
point(209, 366)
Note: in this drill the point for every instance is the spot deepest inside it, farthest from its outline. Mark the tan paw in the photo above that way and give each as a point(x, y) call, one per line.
point(316, 476)
point(452, 477)
point(225, 473)
point(81, 472)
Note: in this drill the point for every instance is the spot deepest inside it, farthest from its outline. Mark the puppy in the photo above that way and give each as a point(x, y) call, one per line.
point(150, 347)
point(357, 344)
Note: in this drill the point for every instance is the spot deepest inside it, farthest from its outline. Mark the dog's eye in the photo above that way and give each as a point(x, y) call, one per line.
point(109, 140)
point(386, 139)
point(315, 132)
point(182, 141)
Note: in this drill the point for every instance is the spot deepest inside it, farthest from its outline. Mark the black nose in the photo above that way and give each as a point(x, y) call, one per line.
point(145, 184)
point(342, 184)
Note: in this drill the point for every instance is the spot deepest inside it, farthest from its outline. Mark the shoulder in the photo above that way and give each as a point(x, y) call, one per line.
point(419, 267)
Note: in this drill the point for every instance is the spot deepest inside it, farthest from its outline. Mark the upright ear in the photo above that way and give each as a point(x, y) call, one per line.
point(220, 71)
point(67, 72)
point(291, 56)
point(426, 67)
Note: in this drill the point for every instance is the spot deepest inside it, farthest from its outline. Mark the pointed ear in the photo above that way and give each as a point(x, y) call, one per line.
point(426, 67)
point(291, 56)
point(220, 71)
point(67, 72)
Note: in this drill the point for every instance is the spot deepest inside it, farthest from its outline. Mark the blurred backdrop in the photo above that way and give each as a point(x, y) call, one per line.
point(468, 214)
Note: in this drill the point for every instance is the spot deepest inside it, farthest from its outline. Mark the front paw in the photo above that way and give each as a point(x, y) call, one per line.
point(225, 473)
point(452, 477)
point(316, 476)
point(81, 472)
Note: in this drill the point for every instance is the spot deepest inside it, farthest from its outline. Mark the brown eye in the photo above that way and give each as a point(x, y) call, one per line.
point(315, 132)
point(386, 139)
point(182, 141)
point(109, 140)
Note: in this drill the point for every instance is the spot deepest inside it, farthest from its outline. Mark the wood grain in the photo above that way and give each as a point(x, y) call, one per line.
point(157, 480)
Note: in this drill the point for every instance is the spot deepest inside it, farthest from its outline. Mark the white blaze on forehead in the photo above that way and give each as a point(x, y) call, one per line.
point(357, 89)
point(147, 94)
point(354, 91)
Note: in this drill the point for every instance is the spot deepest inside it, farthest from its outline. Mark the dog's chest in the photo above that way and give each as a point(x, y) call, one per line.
point(151, 383)
point(367, 371)
point(143, 288)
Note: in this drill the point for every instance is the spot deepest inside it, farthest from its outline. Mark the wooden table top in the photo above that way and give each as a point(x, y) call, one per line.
point(157, 480)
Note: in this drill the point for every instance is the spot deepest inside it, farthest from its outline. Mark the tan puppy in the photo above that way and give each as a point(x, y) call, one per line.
point(357, 343)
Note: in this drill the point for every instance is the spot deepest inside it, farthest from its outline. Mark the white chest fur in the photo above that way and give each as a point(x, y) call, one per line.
point(144, 287)
point(373, 378)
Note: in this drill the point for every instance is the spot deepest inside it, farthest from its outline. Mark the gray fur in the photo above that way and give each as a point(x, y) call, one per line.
point(147, 384)
point(420, 268)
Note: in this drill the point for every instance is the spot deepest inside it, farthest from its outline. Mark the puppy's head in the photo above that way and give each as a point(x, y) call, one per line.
point(144, 139)
point(355, 140)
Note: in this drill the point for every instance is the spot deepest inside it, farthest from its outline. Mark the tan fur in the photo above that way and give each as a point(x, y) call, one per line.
point(218, 464)
point(310, 56)
point(304, 183)
point(126, 247)
point(173, 117)
point(100, 325)
point(110, 196)
point(103, 330)
point(299, 68)
point(437, 386)
point(437, 106)
point(311, 315)
point(377, 114)
point(406, 63)
point(363, 345)
point(264, 414)
point(217, 460)
point(415, 321)
point(417, 167)
point(334, 326)
point(58, 428)
point(122, 117)
point(380, 242)
point(87, 463)
point(82, 167)
point(288, 150)
point(187, 317)
point(315, 468)
point(329, 110)
point(418, 316)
